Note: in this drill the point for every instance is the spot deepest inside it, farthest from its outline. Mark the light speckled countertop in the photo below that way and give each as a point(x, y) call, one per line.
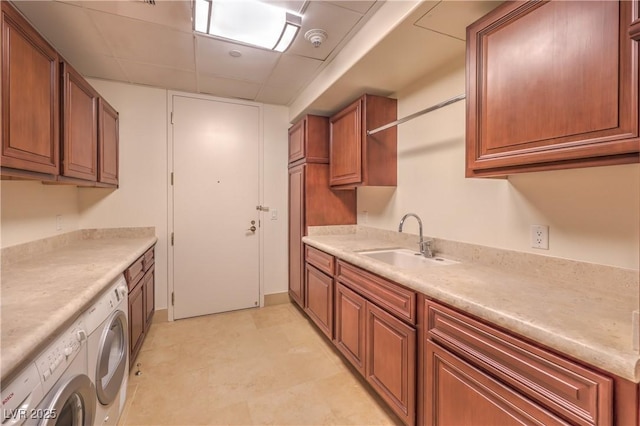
point(45, 292)
point(560, 304)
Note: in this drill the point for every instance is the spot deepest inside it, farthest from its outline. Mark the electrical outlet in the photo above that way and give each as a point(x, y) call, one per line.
point(540, 237)
point(59, 222)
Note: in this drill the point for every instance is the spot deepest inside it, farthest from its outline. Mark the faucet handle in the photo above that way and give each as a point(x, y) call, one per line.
point(425, 248)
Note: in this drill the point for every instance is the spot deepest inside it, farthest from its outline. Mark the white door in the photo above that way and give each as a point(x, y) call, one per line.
point(215, 194)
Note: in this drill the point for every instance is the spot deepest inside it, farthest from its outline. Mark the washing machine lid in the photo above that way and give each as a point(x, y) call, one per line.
point(112, 363)
point(73, 402)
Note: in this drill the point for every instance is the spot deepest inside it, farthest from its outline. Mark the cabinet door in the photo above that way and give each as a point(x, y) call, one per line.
point(137, 318)
point(350, 317)
point(296, 141)
point(30, 97)
point(551, 85)
point(79, 155)
point(458, 394)
point(319, 299)
point(108, 141)
point(149, 297)
point(296, 232)
point(391, 361)
point(346, 146)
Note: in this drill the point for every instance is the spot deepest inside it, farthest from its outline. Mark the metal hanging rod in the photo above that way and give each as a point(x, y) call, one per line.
point(417, 114)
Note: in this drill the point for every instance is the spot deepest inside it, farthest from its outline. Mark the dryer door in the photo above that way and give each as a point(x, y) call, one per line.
point(73, 403)
point(112, 358)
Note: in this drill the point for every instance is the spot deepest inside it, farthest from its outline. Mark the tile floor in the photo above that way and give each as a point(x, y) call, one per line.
point(251, 367)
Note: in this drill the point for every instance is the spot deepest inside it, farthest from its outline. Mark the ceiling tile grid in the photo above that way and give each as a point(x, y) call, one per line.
point(136, 42)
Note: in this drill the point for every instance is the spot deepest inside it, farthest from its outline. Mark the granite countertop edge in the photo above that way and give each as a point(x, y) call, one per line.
point(15, 358)
point(625, 364)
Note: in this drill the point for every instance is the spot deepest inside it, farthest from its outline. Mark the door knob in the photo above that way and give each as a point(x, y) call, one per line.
point(252, 229)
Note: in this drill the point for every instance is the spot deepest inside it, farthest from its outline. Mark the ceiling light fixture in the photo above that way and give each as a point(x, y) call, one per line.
point(248, 21)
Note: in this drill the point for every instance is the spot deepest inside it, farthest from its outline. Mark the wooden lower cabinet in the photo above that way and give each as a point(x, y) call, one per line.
point(149, 295)
point(519, 380)
point(137, 320)
point(319, 299)
point(350, 318)
point(458, 394)
point(140, 280)
point(381, 347)
point(391, 361)
point(296, 232)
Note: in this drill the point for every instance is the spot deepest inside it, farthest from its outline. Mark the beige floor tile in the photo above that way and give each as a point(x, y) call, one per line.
point(256, 366)
point(298, 405)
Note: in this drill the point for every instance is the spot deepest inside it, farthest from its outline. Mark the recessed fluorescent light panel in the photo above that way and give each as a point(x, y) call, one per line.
point(247, 21)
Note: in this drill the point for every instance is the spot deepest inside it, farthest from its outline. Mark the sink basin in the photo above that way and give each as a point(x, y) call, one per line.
point(405, 258)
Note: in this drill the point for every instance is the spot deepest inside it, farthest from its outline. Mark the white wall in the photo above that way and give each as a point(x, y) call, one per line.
point(593, 213)
point(275, 233)
point(29, 210)
point(142, 198)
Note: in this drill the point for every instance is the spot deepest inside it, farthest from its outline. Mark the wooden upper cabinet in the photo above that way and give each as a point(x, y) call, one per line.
point(79, 155)
point(309, 140)
point(108, 140)
point(357, 159)
point(551, 85)
point(30, 97)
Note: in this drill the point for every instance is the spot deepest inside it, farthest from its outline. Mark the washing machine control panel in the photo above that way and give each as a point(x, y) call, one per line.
point(54, 360)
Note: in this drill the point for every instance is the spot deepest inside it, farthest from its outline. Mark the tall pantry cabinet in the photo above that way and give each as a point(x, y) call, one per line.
point(311, 201)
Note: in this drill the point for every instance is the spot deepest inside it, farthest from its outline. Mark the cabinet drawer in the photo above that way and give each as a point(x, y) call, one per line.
point(390, 296)
point(148, 259)
point(319, 259)
point(574, 392)
point(134, 272)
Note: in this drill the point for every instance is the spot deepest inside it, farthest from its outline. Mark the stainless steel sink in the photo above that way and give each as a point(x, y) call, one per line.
point(405, 258)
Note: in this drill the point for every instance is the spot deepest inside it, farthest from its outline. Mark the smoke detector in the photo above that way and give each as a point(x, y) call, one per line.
point(316, 36)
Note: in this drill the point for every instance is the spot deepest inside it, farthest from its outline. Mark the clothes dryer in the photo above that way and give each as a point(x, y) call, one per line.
point(108, 351)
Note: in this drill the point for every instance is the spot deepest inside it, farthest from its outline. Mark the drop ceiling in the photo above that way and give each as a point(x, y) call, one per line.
point(135, 42)
point(153, 44)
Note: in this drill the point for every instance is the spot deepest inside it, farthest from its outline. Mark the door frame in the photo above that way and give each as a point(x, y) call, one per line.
point(170, 228)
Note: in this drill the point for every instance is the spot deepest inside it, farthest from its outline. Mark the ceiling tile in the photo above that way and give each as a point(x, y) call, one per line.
point(276, 95)
point(254, 65)
point(174, 13)
point(453, 17)
point(293, 71)
point(401, 66)
point(227, 87)
point(105, 67)
point(292, 5)
point(146, 42)
point(61, 24)
point(159, 76)
point(336, 21)
point(360, 6)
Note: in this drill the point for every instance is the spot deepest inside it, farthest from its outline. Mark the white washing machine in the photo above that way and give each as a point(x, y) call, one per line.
point(108, 351)
point(55, 389)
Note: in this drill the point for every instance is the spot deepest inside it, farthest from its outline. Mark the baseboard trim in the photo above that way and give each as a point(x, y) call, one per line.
point(161, 315)
point(276, 299)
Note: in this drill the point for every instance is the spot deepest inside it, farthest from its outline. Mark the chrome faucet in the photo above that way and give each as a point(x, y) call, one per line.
point(425, 246)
